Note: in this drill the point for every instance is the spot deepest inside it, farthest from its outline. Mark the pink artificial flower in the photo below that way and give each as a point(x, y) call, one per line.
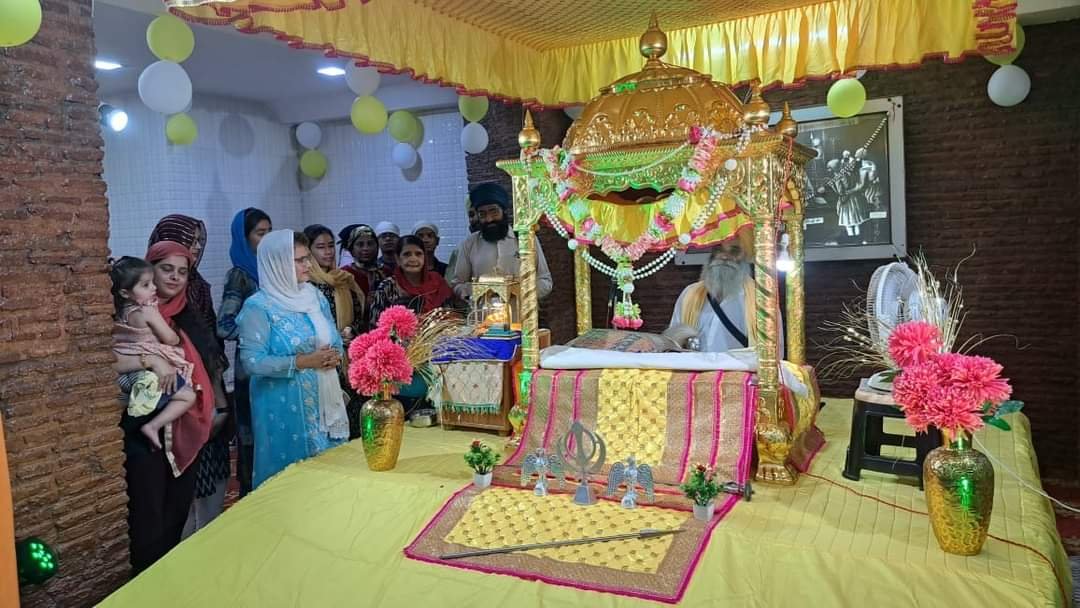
point(400, 320)
point(360, 345)
point(383, 363)
point(588, 224)
point(695, 134)
point(979, 377)
point(939, 392)
point(687, 185)
point(913, 343)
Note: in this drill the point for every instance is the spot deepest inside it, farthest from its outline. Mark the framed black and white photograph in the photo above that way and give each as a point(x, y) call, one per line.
point(855, 187)
point(855, 208)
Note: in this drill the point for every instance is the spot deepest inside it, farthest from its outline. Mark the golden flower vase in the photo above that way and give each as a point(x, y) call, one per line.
point(959, 482)
point(382, 421)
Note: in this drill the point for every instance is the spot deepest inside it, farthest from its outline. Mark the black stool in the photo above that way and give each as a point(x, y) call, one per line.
point(871, 409)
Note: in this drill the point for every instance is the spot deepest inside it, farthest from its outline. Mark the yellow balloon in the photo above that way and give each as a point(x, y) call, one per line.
point(368, 115)
point(181, 130)
point(472, 108)
point(20, 21)
point(403, 126)
point(846, 97)
point(1019, 42)
point(313, 164)
point(170, 39)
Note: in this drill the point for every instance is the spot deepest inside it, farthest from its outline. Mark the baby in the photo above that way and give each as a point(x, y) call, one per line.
point(140, 330)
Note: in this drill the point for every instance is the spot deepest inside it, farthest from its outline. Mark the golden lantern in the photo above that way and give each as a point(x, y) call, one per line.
point(496, 300)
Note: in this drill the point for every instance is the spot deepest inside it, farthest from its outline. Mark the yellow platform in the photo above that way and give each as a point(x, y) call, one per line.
point(329, 533)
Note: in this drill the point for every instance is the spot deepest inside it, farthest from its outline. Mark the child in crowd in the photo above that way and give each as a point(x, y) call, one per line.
point(140, 330)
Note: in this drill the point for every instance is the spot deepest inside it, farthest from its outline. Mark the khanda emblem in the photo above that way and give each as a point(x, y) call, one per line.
point(585, 450)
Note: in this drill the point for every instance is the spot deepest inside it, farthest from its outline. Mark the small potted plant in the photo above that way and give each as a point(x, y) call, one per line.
point(703, 490)
point(481, 459)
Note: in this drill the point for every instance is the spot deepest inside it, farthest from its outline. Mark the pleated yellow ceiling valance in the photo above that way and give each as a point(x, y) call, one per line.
point(561, 52)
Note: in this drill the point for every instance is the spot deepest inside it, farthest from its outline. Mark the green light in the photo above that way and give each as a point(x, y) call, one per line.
point(36, 561)
point(966, 490)
point(367, 428)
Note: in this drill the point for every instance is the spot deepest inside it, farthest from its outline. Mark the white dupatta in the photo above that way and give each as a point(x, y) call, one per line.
point(277, 279)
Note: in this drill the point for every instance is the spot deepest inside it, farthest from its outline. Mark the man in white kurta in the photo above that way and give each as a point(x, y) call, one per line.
point(725, 284)
point(493, 249)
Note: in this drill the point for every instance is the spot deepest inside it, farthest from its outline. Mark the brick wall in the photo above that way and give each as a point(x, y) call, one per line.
point(1001, 179)
point(56, 386)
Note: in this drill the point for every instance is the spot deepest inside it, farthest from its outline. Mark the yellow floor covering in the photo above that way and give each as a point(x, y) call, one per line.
point(329, 533)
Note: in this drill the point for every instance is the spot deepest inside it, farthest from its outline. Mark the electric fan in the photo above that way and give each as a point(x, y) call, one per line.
point(892, 299)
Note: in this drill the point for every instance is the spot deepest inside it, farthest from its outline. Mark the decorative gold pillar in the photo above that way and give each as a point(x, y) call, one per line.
point(794, 283)
point(773, 438)
point(530, 319)
point(582, 291)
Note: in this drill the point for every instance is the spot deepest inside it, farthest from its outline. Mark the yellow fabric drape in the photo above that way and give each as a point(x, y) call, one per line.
point(328, 532)
point(779, 47)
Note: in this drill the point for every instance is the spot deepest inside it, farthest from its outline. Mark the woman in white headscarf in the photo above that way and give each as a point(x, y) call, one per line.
point(290, 346)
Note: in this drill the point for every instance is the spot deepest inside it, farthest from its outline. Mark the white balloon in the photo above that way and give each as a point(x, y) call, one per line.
point(164, 87)
point(308, 135)
point(474, 138)
point(1008, 86)
point(403, 155)
point(363, 81)
point(574, 112)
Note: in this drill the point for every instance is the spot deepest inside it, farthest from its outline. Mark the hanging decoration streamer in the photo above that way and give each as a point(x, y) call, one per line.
point(994, 21)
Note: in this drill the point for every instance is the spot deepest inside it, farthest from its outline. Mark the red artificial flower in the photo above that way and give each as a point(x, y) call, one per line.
point(913, 343)
point(400, 320)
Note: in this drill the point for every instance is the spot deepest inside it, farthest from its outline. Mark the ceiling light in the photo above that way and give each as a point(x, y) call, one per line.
point(114, 118)
point(331, 71)
point(108, 66)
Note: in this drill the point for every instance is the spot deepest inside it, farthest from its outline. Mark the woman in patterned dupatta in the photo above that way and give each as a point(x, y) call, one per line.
point(160, 492)
point(213, 474)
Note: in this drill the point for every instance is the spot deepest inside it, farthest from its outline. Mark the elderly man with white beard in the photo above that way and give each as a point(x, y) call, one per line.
point(720, 306)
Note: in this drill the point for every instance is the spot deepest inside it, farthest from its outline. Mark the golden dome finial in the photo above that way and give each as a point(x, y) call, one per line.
point(653, 43)
point(529, 137)
point(757, 111)
point(787, 125)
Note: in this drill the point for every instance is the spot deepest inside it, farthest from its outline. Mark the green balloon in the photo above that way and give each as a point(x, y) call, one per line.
point(368, 115)
point(472, 108)
point(36, 561)
point(846, 97)
point(170, 39)
point(313, 164)
point(181, 130)
point(20, 21)
point(418, 139)
point(1019, 42)
point(403, 126)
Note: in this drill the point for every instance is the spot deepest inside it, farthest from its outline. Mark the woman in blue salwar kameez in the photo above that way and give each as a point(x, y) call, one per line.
point(290, 347)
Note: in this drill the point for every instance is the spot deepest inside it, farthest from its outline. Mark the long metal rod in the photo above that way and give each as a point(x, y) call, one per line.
point(647, 533)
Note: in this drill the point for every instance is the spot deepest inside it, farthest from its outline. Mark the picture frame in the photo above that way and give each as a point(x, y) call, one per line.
point(855, 196)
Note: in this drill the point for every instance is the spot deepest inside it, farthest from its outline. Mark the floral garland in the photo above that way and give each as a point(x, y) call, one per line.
point(563, 170)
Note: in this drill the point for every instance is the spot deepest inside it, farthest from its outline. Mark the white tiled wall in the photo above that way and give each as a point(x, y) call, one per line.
point(242, 158)
point(363, 186)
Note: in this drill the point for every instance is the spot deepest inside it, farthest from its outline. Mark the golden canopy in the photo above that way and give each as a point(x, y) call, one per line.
point(560, 52)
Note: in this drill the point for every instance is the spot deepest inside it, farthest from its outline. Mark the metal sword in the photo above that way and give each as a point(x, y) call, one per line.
point(643, 534)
